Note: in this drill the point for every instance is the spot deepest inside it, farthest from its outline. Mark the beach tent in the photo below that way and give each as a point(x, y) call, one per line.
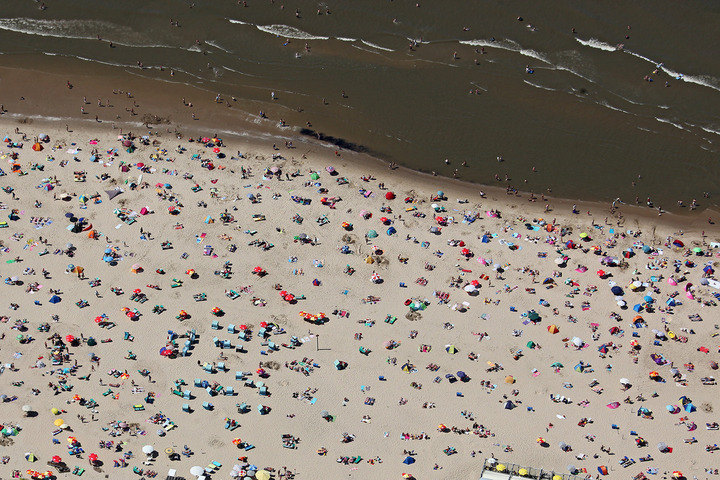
point(553, 329)
point(485, 239)
point(372, 234)
point(533, 316)
point(114, 192)
point(55, 299)
point(451, 349)
point(509, 405)
point(409, 460)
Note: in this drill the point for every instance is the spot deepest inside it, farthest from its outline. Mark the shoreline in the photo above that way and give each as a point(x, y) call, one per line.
point(156, 102)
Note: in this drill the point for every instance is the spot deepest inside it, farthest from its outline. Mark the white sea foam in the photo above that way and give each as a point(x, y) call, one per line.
point(219, 47)
point(702, 80)
point(240, 22)
point(611, 107)
point(286, 31)
point(508, 45)
point(595, 43)
point(79, 30)
point(373, 45)
point(346, 39)
point(539, 86)
point(665, 120)
point(710, 130)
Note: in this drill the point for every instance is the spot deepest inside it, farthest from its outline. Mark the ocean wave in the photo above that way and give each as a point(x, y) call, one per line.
point(286, 31)
point(617, 109)
point(595, 43)
point(710, 130)
point(373, 45)
point(577, 74)
point(665, 120)
point(215, 45)
point(702, 80)
point(240, 22)
point(539, 86)
point(79, 30)
point(346, 39)
point(509, 45)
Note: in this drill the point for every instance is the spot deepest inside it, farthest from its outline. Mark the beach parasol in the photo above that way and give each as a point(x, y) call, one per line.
point(197, 470)
point(56, 459)
point(148, 449)
point(27, 408)
point(93, 457)
point(59, 422)
point(262, 475)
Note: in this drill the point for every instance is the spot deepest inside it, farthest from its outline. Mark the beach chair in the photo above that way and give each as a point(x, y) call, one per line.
point(187, 394)
point(249, 447)
point(243, 407)
point(272, 346)
point(239, 375)
point(138, 408)
point(231, 328)
point(229, 391)
point(215, 325)
point(186, 407)
point(207, 406)
point(249, 383)
point(226, 344)
point(217, 464)
point(263, 391)
point(243, 336)
point(221, 366)
point(216, 341)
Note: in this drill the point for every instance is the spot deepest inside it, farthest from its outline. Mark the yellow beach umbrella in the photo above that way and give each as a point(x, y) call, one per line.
point(523, 472)
point(500, 468)
point(54, 411)
point(59, 422)
point(262, 475)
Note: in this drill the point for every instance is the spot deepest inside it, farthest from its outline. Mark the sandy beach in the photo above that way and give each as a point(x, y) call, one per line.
point(294, 311)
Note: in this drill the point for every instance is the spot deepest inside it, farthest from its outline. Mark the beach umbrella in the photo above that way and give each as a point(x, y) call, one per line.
point(69, 338)
point(577, 341)
point(522, 472)
point(470, 288)
point(197, 470)
point(27, 408)
point(262, 475)
point(509, 379)
point(93, 457)
point(391, 231)
point(662, 447)
point(389, 196)
point(148, 449)
point(616, 290)
point(500, 467)
point(372, 234)
point(55, 411)
point(56, 459)
point(59, 422)
point(314, 176)
point(624, 381)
